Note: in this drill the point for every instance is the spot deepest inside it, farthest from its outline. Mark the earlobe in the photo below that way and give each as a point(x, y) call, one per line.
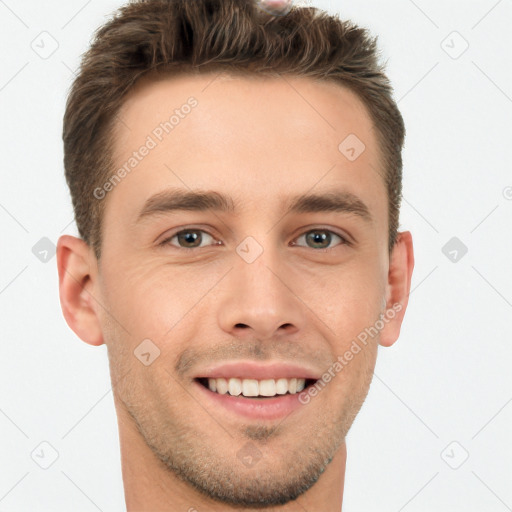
point(76, 283)
point(401, 265)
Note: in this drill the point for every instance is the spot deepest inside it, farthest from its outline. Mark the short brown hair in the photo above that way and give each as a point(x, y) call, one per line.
point(209, 35)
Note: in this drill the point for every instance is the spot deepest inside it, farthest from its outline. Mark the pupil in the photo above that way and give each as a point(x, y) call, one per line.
point(189, 237)
point(319, 237)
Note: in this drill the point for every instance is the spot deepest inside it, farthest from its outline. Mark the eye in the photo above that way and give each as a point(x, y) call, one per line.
point(190, 239)
point(320, 239)
point(196, 238)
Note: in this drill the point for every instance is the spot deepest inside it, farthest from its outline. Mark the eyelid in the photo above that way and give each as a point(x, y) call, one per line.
point(345, 239)
point(167, 238)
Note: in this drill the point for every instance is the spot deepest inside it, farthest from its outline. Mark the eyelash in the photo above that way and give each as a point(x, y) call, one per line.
point(166, 241)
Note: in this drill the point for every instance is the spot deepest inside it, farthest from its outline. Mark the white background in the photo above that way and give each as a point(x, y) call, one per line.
point(447, 379)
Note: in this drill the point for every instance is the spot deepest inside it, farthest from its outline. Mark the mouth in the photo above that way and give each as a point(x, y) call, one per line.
point(264, 400)
point(255, 389)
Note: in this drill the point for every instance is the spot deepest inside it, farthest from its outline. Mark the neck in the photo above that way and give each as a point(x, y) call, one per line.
point(150, 485)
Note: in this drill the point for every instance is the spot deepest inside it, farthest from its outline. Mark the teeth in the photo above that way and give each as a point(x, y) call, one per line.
point(249, 387)
point(235, 387)
point(222, 385)
point(267, 387)
point(253, 387)
point(281, 386)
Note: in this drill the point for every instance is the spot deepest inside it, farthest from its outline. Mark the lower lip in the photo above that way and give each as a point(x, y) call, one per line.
point(254, 408)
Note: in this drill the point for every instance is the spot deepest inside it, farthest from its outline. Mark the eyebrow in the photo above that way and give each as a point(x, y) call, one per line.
point(179, 199)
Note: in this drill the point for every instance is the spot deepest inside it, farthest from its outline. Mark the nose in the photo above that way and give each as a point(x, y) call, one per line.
point(257, 300)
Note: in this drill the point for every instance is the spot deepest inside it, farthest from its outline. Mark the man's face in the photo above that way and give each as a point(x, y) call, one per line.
point(256, 283)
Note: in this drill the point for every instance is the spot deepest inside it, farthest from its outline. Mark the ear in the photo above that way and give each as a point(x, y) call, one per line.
point(76, 266)
point(401, 265)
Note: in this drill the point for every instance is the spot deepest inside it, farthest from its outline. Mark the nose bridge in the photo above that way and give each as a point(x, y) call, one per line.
point(257, 296)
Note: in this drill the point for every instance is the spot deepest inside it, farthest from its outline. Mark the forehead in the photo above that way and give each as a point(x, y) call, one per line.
point(250, 137)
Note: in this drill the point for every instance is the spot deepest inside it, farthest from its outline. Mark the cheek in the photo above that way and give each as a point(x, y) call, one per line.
point(152, 299)
point(355, 377)
point(136, 298)
point(347, 299)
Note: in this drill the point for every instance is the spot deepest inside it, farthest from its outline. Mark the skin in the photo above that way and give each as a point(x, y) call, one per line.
point(258, 141)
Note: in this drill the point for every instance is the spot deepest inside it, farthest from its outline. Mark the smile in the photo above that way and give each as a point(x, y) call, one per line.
point(266, 399)
point(253, 388)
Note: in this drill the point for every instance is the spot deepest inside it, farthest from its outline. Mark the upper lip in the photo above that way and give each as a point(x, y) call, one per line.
point(258, 371)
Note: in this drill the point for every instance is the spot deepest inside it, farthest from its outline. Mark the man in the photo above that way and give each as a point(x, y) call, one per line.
point(236, 179)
